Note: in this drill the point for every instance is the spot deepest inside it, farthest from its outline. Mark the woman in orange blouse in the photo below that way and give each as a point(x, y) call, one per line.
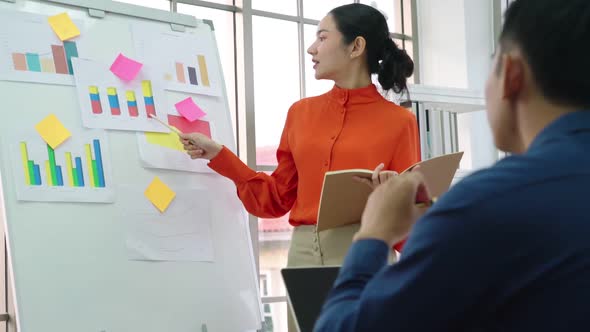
point(351, 126)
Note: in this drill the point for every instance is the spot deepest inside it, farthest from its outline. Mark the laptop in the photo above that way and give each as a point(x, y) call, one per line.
point(307, 289)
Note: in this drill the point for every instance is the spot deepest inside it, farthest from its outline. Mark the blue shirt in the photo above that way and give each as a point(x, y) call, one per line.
point(506, 249)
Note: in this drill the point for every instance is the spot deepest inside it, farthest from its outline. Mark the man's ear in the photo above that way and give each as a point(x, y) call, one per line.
point(512, 74)
point(358, 47)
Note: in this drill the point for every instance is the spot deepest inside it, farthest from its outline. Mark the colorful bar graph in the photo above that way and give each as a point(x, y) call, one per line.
point(58, 62)
point(33, 63)
point(20, 61)
point(203, 70)
point(95, 100)
point(180, 72)
point(47, 65)
point(132, 104)
point(148, 97)
point(71, 52)
point(114, 101)
point(59, 58)
point(192, 76)
point(70, 175)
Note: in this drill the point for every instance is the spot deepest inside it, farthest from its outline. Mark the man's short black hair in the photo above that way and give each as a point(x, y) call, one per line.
point(554, 36)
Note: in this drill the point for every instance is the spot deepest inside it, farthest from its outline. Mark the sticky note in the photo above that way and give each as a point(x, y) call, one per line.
point(52, 131)
point(63, 26)
point(189, 109)
point(125, 68)
point(159, 194)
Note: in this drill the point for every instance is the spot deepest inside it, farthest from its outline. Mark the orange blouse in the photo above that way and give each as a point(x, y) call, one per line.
point(340, 129)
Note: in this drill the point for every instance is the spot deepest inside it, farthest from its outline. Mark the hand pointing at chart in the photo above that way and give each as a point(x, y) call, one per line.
point(199, 146)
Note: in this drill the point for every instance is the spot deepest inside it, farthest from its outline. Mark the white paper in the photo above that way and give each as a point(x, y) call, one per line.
point(38, 153)
point(181, 233)
point(90, 73)
point(165, 49)
point(24, 33)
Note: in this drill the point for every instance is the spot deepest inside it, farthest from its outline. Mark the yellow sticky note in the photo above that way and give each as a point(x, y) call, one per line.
point(159, 194)
point(52, 131)
point(63, 26)
point(168, 140)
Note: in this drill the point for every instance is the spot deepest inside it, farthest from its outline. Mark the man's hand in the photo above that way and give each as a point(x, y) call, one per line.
point(391, 210)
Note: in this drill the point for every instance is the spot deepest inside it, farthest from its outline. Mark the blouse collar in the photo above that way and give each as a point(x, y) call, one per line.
point(362, 95)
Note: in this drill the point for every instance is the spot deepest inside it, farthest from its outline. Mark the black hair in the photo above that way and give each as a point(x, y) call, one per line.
point(554, 37)
point(392, 64)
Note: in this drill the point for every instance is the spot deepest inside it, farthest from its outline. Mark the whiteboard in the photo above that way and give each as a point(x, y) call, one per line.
point(71, 262)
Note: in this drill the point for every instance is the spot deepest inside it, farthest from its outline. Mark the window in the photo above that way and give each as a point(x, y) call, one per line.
point(287, 7)
point(317, 9)
point(276, 81)
point(387, 8)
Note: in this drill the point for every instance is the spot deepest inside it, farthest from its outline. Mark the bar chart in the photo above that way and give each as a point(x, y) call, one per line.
point(58, 62)
point(183, 71)
point(75, 174)
point(194, 67)
point(35, 54)
point(76, 171)
point(109, 103)
point(131, 102)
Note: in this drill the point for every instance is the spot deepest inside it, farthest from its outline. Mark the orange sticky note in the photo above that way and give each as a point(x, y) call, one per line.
point(159, 194)
point(63, 26)
point(52, 131)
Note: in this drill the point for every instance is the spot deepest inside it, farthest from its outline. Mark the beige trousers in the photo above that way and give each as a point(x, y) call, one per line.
point(310, 248)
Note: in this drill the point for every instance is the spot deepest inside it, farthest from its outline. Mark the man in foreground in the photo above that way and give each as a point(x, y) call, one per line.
point(508, 248)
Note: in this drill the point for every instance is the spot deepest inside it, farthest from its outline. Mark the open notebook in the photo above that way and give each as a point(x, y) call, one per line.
point(343, 199)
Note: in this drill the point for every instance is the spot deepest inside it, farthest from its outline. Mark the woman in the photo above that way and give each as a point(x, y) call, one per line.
point(351, 126)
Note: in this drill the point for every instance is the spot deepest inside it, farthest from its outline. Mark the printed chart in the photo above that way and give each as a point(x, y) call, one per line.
point(109, 103)
point(187, 62)
point(164, 150)
point(181, 233)
point(30, 51)
point(76, 171)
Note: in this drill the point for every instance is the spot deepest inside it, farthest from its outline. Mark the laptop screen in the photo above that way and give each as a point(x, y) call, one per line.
point(307, 289)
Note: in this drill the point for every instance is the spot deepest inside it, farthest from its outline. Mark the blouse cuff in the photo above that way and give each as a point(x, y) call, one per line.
point(226, 163)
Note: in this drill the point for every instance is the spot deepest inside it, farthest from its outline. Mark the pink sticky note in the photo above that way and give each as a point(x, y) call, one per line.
point(125, 68)
point(189, 109)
